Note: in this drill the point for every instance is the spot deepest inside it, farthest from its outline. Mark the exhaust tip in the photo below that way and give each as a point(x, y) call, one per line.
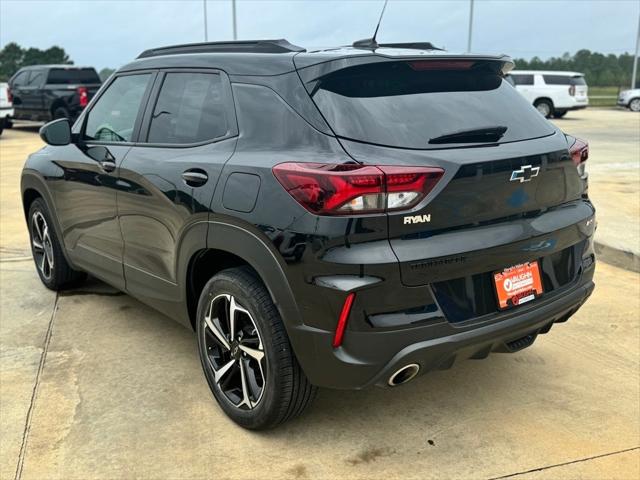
point(404, 374)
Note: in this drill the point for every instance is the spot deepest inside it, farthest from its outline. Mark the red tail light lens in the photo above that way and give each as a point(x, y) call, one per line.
point(579, 152)
point(9, 95)
point(347, 189)
point(572, 90)
point(83, 96)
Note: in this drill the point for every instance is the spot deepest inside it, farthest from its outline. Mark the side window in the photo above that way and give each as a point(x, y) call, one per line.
point(114, 115)
point(190, 109)
point(35, 78)
point(519, 79)
point(21, 79)
point(557, 80)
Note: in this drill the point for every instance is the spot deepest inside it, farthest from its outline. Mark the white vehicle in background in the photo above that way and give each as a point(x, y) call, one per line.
point(552, 93)
point(630, 99)
point(6, 105)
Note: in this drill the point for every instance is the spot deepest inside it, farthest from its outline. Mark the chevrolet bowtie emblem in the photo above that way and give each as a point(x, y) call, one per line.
point(525, 174)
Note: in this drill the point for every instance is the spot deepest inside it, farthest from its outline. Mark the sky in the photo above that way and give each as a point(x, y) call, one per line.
point(110, 33)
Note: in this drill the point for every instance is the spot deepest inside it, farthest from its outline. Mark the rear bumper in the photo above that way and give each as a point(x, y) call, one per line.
point(370, 358)
point(6, 112)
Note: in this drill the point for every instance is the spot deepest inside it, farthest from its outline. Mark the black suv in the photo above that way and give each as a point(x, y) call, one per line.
point(46, 92)
point(338, 218)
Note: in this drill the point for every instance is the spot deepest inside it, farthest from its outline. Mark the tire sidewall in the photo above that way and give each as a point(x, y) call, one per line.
point(267, 408)
point(39, 206)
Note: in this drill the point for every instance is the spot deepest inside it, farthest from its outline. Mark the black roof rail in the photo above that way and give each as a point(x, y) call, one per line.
point(411, 45)
point(242, 46)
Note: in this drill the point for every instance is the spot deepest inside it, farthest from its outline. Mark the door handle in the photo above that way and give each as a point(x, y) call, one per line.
point(107, 165)
point(195, 177)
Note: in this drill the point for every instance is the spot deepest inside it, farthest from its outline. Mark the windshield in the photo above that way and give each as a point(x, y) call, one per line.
point(404, 104)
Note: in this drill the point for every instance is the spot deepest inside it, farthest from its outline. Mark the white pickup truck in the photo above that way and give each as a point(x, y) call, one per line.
point(6, 105)
point(552, 93)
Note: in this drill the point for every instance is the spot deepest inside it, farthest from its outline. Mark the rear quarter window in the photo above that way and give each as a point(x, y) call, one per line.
point(563, 80)
point(395, 104)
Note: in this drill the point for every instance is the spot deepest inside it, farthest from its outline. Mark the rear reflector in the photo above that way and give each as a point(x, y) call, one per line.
point(347, 189)
point(342, 320)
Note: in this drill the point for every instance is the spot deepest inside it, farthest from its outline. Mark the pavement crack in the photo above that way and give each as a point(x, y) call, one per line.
point(580, 460)
point(34, 394)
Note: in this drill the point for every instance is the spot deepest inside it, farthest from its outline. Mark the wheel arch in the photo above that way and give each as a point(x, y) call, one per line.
point(230, 245)
point(32, 187)
point(547, 99)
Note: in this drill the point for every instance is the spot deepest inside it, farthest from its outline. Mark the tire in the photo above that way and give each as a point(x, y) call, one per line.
point(559, 113)
point(61, 112)
point(1, 126)
point(255, 377)
point(545, 107)
point(634, 104)
point(8, 123)
point(51, 264)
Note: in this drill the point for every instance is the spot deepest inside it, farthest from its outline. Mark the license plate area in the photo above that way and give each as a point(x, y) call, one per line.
point(517, 285)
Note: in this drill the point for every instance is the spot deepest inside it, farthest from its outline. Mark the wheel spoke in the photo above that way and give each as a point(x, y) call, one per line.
point(36, 226)
point(246, 400)
point(218, 374)
point(42, 262)
point(215, 330)
point(37, 245)
point(252, 352)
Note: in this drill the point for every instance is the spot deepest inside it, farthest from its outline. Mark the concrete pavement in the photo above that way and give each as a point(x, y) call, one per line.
point(94, 384)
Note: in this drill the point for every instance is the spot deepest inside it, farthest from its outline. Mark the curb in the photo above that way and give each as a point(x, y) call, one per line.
point(617, 257)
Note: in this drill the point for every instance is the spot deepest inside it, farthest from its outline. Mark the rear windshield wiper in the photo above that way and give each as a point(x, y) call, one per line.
point(476, 135)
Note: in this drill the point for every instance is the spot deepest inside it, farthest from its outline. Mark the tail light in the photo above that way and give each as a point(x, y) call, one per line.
point(344, 189)
point(579, 152)
point(83, 96)
point(9, 95)
point(572, 90)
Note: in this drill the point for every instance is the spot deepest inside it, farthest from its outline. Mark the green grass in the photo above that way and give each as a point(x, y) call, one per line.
point(611, 92)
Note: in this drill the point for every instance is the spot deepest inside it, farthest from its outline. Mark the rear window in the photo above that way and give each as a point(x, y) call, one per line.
point(72, 76)
point(563, 80)
point(400, 105)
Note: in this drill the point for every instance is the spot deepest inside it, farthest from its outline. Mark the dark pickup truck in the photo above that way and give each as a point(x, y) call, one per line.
point(47, 92)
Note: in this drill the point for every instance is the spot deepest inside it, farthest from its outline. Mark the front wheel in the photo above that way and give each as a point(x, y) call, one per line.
point(634, 105)
point(51, 264)
point(559, 113)
point(245, 352)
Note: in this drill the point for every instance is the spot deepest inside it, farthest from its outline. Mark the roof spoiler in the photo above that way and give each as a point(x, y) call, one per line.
point(243, 46)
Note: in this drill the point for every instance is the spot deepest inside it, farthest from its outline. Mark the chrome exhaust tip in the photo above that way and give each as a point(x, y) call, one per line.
point(404, 375)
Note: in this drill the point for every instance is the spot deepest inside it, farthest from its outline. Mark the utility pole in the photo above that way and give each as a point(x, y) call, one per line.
point(206, 33)
point(635, 57)
point(470, 25)
point(233, 14)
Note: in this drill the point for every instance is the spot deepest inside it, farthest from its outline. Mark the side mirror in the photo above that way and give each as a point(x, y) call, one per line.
point(56, 133)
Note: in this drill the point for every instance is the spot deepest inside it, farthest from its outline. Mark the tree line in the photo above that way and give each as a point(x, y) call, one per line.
point(600, 70)
point(13, 57)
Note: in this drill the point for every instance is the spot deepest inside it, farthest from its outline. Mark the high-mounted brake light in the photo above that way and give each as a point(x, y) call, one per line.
point(420, 65)
point(347, 189)
point(342, 320)
point(579, 152)
point(83, 96)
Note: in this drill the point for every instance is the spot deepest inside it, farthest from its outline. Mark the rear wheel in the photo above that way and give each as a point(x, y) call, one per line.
point(634, 105)
point(559, 113)
point(545, 107)
point(52, 266)
point(245, 352)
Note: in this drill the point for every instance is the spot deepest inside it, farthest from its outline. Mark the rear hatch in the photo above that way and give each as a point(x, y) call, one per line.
point(510, 192)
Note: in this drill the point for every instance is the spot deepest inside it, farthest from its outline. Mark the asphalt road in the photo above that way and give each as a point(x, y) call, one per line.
point(93, 384)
